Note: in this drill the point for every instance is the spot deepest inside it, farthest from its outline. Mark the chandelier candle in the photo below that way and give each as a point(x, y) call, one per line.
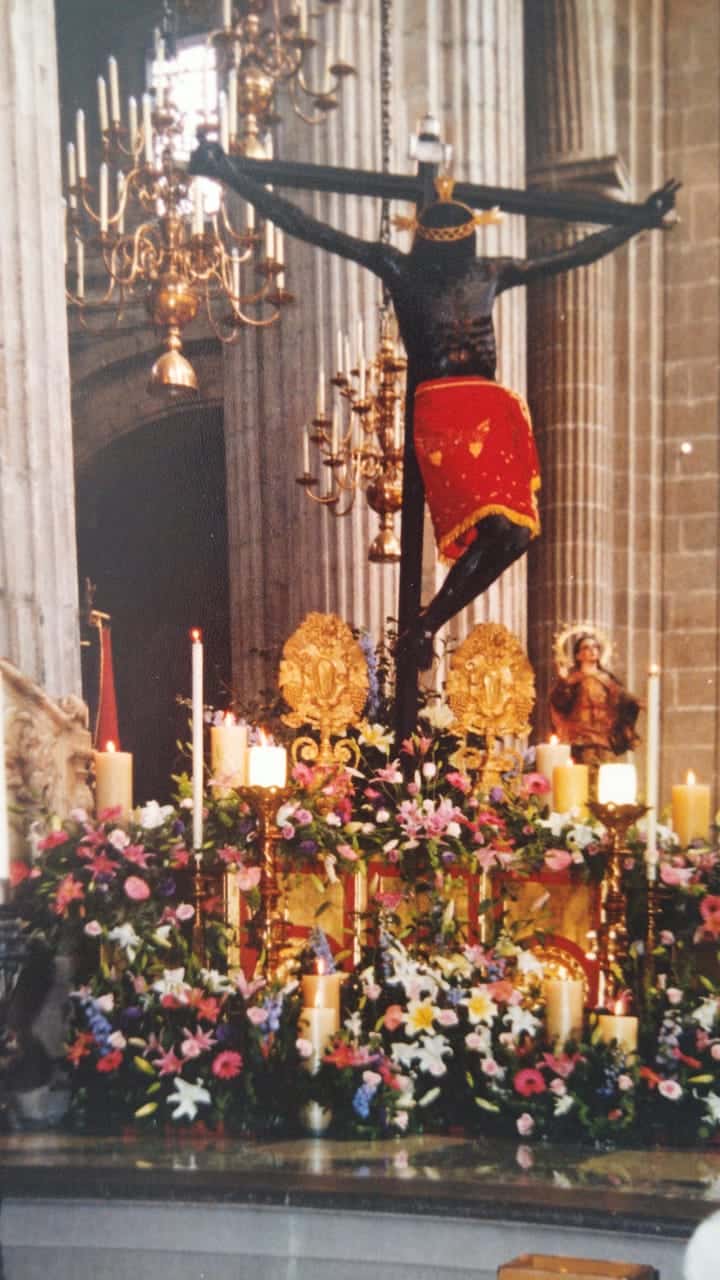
point(549, 754)
point(652, 755)
point(197, 738)
point(228, 752)
point(690, 810)
point(113, 779)
point(570, 787)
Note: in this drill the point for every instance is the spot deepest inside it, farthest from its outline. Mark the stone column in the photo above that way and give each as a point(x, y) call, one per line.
point(287, 555)
point(38, 575)
point(571, 143)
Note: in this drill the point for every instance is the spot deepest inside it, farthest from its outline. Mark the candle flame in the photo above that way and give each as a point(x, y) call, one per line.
point(553, 739)
point(110, 746)
point(263, 738)
point(653, 669)
point(229, 718)
point(196, 635)
point(320, 965)
point(690, 778)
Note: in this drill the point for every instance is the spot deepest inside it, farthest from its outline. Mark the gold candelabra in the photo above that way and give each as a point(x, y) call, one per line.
point(263, 45)
point(265, 802)
point(360, 442)
point(173, 250)
point(613, 934)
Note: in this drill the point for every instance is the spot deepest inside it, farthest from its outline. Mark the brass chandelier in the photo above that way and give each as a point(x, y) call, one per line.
point(360, 440)
point(264, 45)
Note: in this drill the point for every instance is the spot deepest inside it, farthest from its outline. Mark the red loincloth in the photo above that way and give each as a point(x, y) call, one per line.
point(477, 455)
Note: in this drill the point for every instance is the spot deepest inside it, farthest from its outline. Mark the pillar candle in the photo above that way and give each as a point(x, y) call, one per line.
point(228, 751)
point(197, 737)
point(318, 1026)
point(549, 754)
point(570, 787)
point(690, 810)
point(113, 779)
point(564, 1003)
point(322, 991)
point(4, 829)
point(617, 784)
point(622, 1027)
point(267, 766)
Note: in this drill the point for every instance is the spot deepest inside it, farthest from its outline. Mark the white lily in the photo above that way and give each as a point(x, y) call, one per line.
point(188, 1097)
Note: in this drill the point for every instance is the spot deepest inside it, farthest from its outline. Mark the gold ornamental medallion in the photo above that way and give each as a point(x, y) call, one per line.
point(491, 690)
point(324, 679)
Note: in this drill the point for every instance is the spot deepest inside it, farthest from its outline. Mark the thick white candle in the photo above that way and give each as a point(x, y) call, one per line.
point(267, 766)
point(197, 737)
point(690, 810)
point(621, 1027)
point(102, 105)
point(318, 1026)
point(570, 787)
point(549, 754)
point(4, 829)
point(80, 143)
point(652, 770)
point(322, 991)
point(228, 751)
point(617, 784)
point(564, 1002)
point(114, 90)
point(113, 780)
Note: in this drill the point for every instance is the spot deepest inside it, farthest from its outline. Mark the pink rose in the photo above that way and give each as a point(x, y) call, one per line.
point(675, 876)
point(490, 1067)
point(93, 929)
point(136, 889)
point(525, 1124)
point(557, 859)
point(670, 1089)
point(674, 995)
point(667, 938)
point(185, 911)
point(248, 878)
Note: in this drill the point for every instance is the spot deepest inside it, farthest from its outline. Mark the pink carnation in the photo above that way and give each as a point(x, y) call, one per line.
point(227, 1065)
point(136, 889)
point(248, 878)
point(557, 859)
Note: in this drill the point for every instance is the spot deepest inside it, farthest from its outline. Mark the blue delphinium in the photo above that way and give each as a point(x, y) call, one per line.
point(319, 944)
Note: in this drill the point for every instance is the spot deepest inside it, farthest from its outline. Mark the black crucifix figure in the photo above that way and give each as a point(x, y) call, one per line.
point(468, 441)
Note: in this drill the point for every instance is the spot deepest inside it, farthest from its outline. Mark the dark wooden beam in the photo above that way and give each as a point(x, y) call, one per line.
point(568, 206)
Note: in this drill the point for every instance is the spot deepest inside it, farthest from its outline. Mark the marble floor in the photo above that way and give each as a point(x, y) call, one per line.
point(435, 1206)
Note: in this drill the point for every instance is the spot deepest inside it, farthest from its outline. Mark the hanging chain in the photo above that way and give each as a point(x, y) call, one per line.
point(385, 118)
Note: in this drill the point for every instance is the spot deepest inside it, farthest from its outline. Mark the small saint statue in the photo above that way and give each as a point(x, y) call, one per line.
point(590, 708)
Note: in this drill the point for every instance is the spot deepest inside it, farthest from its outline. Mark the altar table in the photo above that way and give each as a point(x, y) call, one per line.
point(446, 1208)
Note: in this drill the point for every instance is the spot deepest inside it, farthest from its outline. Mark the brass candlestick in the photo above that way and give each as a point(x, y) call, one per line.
point(613, 935)
point(265, 802)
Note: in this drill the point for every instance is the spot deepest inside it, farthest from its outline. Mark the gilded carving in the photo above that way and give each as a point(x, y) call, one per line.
point(323, 678)
point(491, 690)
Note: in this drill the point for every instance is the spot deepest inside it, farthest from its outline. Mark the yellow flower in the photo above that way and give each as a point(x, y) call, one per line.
point(376, 735)
point(480, 1006)
point(419, 1016)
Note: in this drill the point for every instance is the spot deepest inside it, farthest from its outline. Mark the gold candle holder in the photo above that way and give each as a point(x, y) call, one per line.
point(613, 935)
point(265, 802)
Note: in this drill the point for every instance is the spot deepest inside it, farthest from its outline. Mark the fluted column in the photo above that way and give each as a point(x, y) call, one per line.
point(571, 142)
point(38, 572)
point(288, 555)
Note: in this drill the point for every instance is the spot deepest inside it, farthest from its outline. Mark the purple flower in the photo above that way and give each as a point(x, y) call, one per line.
point(497, 795)
point(167, 886)
point(308, 846)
